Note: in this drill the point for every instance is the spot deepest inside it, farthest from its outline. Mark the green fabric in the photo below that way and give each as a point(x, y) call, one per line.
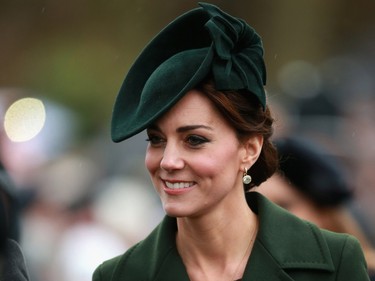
point(204, 41)
point(286, 249)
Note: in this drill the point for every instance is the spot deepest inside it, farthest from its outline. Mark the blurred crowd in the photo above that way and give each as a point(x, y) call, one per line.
point(75, 203)
point(72, 206)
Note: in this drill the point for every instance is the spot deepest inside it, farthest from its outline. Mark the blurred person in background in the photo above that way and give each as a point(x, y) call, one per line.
point(10, 206)
point(313, 185)
point(198, 91)
point(12, 261)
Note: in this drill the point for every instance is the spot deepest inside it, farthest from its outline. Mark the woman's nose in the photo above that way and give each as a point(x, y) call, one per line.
point(172, 158)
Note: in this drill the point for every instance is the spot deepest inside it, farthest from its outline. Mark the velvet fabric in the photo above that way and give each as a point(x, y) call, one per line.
point(202, 42)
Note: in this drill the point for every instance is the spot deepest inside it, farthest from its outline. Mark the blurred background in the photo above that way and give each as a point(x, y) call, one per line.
point(82, 199)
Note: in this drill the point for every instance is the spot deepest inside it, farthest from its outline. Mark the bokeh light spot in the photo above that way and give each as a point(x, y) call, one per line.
point(24, 119)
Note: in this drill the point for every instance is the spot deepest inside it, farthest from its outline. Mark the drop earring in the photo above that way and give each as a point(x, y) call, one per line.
point(246, 178)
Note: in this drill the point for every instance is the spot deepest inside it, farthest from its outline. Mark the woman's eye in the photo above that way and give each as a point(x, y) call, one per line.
point(195, 140)
point(154, 140)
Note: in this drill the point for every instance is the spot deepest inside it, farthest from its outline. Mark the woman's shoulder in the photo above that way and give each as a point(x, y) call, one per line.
point(132, 260)
point(154, 248)
point(342, 244)
point(296, 244)
point(279, 225)
point(106, 270)
point(348, 257)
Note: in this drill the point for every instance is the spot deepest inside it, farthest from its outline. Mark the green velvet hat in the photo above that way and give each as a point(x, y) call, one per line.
point(204, 41)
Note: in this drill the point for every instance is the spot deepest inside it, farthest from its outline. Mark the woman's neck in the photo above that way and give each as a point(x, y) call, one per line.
point(217, 245)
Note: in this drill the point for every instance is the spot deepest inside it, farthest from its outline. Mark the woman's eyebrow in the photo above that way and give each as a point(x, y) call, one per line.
point(153, 127)
point(192, 127)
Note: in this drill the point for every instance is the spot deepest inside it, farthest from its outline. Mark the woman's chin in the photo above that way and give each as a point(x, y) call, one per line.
point(174, 211)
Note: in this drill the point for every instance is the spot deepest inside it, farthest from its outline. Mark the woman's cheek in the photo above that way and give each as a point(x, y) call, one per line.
point(152, 160)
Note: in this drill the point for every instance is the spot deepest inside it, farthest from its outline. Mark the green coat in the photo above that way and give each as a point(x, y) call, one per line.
point(286, 249)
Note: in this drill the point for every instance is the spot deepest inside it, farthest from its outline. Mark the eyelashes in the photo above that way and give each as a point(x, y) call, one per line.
point(196, 140)
point(193, 141)
point(154, 140)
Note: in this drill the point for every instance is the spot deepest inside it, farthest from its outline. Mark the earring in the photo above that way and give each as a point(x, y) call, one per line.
point(246, 178)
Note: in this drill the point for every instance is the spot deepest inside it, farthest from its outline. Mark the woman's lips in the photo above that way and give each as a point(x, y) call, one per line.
point(178, 185)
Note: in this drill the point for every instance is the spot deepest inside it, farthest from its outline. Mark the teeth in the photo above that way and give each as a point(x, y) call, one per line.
point(177, 185)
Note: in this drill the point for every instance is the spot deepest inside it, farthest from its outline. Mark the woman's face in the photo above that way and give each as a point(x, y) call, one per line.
point(195, 159)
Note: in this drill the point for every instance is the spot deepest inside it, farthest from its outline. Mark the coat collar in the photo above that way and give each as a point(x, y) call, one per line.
point(292, 243)
point(283, 242)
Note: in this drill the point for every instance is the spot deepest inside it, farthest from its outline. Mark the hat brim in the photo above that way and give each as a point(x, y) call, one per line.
point(153, 72)
point(202, 41)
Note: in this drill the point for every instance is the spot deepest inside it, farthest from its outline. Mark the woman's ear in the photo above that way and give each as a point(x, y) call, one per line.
point(252, 148)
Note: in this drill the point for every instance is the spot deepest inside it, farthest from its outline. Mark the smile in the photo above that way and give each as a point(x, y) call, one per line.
point(178, 185)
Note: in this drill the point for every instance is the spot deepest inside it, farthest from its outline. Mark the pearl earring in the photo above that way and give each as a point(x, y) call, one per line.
point(246, 178)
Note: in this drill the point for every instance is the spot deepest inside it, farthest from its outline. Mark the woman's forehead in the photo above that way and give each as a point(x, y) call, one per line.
point(194, 110)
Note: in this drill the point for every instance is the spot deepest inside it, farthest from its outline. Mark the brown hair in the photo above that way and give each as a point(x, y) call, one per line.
point(244, 112)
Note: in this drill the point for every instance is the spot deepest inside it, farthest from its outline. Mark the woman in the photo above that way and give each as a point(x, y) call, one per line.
point(198, 90)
